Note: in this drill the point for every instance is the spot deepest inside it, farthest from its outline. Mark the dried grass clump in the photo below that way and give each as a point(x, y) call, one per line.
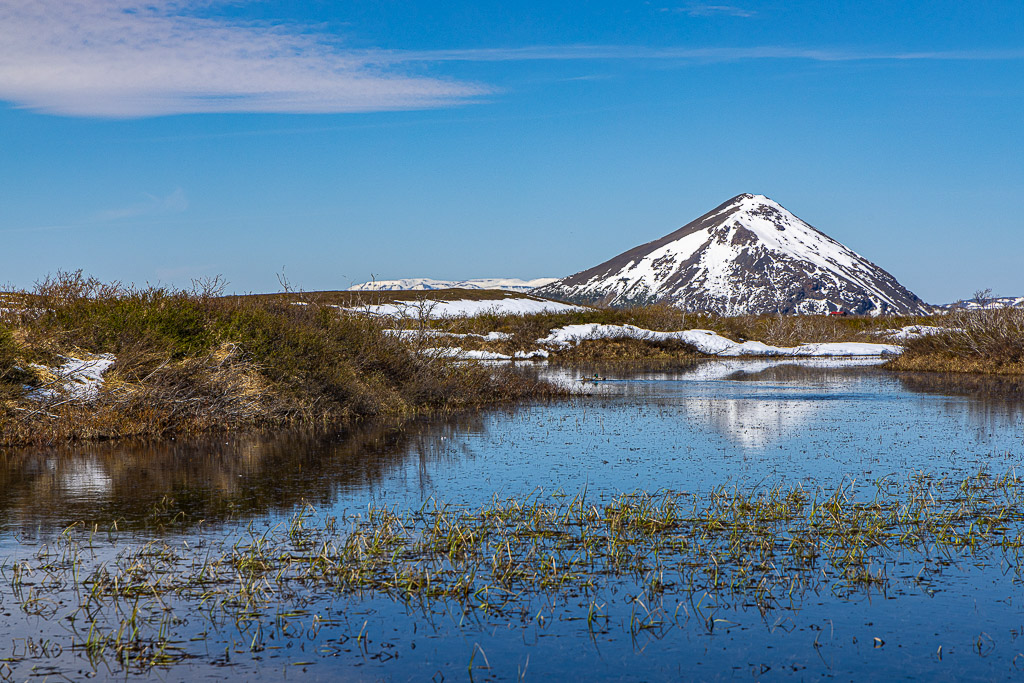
point(627, 350)
point(12, 371)
point(194, 360)
point(985, 341)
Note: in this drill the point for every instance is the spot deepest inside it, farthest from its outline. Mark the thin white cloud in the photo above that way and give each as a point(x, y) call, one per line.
point(131, 58)
point(135, 58)
point(175, 202)
point(702, 10)
point(698, 54)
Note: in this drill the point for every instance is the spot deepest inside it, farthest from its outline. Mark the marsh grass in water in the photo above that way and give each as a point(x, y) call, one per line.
point(672, 560)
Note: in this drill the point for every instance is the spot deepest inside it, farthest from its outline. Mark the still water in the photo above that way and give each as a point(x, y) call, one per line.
point(743, 424)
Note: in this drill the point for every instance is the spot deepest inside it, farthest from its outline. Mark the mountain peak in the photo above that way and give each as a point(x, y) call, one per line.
point(748, 255)
point(750, 196)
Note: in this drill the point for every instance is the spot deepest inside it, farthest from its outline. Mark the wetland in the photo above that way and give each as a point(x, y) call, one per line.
point(731, 519)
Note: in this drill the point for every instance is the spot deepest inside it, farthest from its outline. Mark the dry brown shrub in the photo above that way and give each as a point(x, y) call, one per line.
point(971, 341)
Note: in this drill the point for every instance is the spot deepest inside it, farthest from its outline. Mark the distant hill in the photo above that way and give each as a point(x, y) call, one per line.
point(749, 255)
point(990, 302)
point(423, 283)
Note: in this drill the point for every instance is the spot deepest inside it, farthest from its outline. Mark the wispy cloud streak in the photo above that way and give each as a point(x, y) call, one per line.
point(130, 58)
point(136, 58)
point(708, 54)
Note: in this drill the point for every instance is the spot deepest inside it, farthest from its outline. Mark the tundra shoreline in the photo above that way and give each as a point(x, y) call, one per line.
point(190, 362)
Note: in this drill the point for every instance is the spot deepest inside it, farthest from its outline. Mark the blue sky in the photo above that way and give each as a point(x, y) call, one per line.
point(165, 140)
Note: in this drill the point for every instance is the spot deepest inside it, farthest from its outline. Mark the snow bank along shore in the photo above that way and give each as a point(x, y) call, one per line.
point(711, 343)
point(705, 341)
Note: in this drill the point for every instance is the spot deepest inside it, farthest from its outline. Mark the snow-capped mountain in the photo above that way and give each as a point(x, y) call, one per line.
point(749, 255)
point(509, 284)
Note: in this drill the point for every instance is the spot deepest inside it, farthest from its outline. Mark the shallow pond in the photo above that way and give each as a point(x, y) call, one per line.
point(747, 426)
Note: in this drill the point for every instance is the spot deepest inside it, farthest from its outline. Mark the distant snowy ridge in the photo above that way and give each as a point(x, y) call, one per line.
point(526, 305)
point(989, 303)
point(424, 283)
point(748, 256)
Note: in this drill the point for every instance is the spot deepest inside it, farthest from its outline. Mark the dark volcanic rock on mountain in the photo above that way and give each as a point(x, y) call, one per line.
point(749, 255)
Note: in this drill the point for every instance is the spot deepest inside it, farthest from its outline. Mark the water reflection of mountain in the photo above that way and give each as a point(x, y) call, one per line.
point(755, 403)
point(778, 399)
point(213, 478)
point(751, 423)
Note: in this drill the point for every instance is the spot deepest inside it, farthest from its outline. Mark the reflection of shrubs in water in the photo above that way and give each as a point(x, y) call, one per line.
point(764, 550)
point(191, 361)
point(1006, 389)
point(150, 483)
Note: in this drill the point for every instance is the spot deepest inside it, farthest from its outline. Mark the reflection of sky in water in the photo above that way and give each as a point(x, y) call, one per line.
point(727, 422)
point(85, 478)
point(733, 422)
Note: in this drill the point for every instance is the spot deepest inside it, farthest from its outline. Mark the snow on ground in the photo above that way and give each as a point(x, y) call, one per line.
point(466, 308)
point(711, 343)
point(77, 378)
point(463, 354)
point(413, 334)
point(911, 332)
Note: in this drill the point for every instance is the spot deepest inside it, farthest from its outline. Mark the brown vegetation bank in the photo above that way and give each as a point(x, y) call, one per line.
point(189, 361)
point(972, 341)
